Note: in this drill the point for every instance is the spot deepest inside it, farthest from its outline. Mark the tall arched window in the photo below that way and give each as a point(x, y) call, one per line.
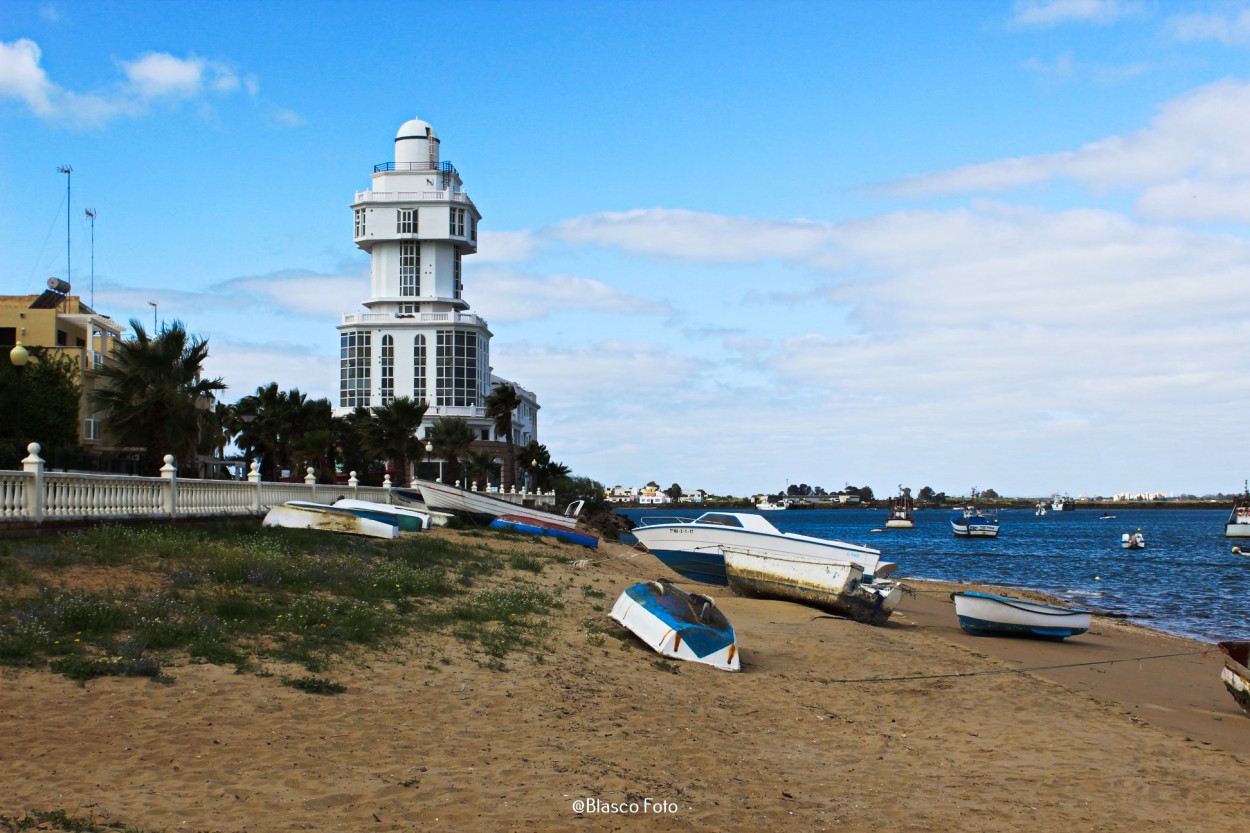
point(354, 362)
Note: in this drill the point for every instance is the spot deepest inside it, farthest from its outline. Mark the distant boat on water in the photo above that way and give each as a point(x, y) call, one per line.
point(902, 511)
point(1238, 524)
point(1133, 540)
point(1041, 509)
point(1062, 503)
point(971, 522)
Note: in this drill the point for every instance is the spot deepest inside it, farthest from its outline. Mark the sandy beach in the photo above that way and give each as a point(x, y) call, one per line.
point(831, 725)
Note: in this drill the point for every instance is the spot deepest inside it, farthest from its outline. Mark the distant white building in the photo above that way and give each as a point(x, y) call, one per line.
point(418, 337)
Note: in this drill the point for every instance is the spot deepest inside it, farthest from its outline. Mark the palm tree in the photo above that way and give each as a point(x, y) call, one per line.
point(271, 421)
point(391, 433)
point(479, 466)
point(535, 458)
point(500, 404)
point(451, 437)
point(153, 391)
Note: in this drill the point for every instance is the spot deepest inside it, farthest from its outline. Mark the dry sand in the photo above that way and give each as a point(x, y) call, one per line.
point(418, 745)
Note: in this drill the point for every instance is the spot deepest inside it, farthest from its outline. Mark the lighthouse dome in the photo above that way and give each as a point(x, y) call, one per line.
point(416, 144)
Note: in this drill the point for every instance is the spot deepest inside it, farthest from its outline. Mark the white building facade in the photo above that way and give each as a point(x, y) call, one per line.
point(418, 337)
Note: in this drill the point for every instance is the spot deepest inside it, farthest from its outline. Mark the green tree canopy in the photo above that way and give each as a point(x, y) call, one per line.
point(49, 393)
point(500, 404)
point(154, 392)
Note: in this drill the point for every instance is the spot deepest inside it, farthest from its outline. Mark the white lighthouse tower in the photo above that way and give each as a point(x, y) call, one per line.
point(418, 338)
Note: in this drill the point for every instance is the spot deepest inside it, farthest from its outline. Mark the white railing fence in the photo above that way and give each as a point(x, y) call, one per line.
point(34, 495)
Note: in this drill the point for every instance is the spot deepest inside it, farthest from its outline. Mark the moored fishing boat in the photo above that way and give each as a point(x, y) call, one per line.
point(984, 614)
point(971, 522)
point(1133, 540)
point(1238, 523)
point(677, 624)
point(408, 520)
point(836, 586)
point(692, 546)
point(1236, 674)
point(902, 511)
point(483, 507)
point(302, 515)
point(518, 523)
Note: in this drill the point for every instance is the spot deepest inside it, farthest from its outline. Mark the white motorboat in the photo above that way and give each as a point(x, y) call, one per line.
point(971, 522)
point(902, 511)
point(693, 546)
point(300, 515)
point(837, 586)
point(484, 507)
point(768, 506)
point(678, 624)
point(983, 614)
point(1133, 540)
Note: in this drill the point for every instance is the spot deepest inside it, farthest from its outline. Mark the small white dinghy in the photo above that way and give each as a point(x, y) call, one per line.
point(1133, 540)
point(300, 515)
point(408, 520)
point(983, 614)
point(678, 624)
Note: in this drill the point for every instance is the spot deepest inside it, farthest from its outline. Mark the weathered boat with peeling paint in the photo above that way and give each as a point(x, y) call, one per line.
point(677, 624)
point(484, 508)
point(519, 523)
point(1236, 673)
point(836, 586)
point(300, 515)
point(983, 614)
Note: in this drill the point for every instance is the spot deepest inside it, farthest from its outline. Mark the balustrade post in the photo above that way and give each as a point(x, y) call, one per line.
point(386, 484)
point(33, 464)
point(352, 483)
point(170, 472)
point(253, 476)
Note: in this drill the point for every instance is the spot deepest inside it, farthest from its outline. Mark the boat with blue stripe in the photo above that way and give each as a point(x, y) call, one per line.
point(984, 614)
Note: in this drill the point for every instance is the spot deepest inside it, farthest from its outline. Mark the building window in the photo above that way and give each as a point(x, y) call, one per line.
point(388, 370)
point(91, 429)
point(408, 309)
point(472, 228)
point(457, 222)
point(406, 221)
point(409, 269)
point(458, 368)
point(419, 392)
point(354, 361)
point(455, 260)
point(360, 222)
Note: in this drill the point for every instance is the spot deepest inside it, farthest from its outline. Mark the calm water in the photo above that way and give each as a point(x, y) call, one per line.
point(1186, 582)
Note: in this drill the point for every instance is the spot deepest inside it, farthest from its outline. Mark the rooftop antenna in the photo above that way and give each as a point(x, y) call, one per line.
point(152, 304)
point(68, 170)
point(91, 216)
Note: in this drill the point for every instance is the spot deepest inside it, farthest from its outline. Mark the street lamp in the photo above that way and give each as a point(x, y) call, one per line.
point(19, 356)
point(153, 305)
point(429, 449)
point(91, 217)
point(534, 468)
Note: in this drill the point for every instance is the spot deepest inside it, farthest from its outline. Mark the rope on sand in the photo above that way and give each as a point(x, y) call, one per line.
point(1014, 670)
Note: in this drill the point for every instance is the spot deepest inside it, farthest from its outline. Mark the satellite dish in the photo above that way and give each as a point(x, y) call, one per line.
point(58, 285)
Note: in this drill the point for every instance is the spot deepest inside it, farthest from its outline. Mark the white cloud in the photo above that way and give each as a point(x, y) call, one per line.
point(693, 235)
point(1203, 136)
point(1231, 30)
point(151, 78)
point(505, 247)
point(1055, 12)
point(300, 292)
point(245, 366)
point(510, 295)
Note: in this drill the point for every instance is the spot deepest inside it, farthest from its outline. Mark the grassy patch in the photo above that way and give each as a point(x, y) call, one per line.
point(313, 685)
point(59, 820)
point(234, 593)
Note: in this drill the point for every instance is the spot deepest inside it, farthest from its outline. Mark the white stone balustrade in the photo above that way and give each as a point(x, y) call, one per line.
point(34, 495)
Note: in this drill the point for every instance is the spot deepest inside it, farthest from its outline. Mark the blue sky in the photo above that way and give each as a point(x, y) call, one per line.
point(729, 245)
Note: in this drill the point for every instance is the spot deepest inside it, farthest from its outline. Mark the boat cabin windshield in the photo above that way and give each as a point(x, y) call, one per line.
point(719, 519)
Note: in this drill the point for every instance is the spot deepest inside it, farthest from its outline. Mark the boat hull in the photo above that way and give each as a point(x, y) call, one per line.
point(836, 586)
point(973, 528)
point(678, 624)
point(982, 614)
point(900, 523)
point(694, 549)
point(483, 507)
point(327, 519)
point(1237, 530)
point(516, 523)
point(1235, 675)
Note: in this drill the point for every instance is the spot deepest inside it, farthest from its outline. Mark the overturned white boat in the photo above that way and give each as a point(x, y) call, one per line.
point(408, 520)
point(300, 515)
point(678, 624)
point(484, 507)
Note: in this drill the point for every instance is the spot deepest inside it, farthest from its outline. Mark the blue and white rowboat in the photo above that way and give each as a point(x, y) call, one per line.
point(983, 614)
point(678, 624)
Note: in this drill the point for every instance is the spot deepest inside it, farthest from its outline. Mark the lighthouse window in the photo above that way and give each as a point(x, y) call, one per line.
point(456, 270)
point(457, 222)
point(472, 229)
point(360, 222)
point(406, 221)
point(457, 366)
point(409, 263)
point(418, 369)
point(388, 370)
point(354, 360)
